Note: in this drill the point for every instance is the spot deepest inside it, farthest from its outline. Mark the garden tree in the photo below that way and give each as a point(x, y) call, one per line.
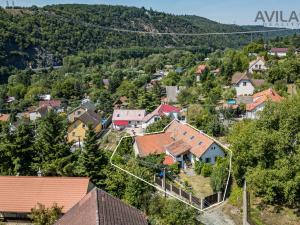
point(70, 87)
point(41, 215)
point(6, 138)
point(208, 122)
point(137, 192)
point(103, 100)
point(158, 125)
point(255, 47)
point(172, 79)
point(229, 93)
point(266, 153)
point(165, 211)
point(50, 144)
point(92, 160)
point(21, 150)
point(148, 100)
point(186, 96)
point(126, 147)
point(219, 174)
point(234, 61)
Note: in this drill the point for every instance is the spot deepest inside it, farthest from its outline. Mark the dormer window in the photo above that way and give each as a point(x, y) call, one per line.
point(192, 137)
point(200, 143)
point(184, 133)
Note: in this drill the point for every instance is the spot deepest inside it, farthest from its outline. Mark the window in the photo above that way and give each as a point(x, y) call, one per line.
point(207, 160)
point(200, 143)
point(73, 134)
point(192, 137)
point(74, 126)
point(78, 112)
point(83, 125)
point(118, 115)
point(129, 122)
point(244, 83)
point(184, 133)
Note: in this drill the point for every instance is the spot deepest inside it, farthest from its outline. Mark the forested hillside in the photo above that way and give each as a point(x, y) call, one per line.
point(37, 37)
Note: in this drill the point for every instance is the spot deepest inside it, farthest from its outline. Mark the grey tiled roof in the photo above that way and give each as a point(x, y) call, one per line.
point(100, 208)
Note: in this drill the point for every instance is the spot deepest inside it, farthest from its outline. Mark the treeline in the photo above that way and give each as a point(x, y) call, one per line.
point(266, 153)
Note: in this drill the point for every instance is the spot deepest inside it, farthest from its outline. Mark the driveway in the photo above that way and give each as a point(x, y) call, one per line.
point(216, 216)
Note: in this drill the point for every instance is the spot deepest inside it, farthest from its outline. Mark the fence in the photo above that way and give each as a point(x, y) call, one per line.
point(199, 202)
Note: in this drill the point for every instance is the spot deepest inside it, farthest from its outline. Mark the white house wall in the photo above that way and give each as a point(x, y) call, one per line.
point(248, 89)
point(213, 152)
point(253, 114)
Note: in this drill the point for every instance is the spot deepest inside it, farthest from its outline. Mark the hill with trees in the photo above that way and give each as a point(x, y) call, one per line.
point(38, 37)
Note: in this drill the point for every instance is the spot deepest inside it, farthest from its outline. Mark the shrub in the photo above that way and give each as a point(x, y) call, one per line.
point(198, 167)
point(206, 170)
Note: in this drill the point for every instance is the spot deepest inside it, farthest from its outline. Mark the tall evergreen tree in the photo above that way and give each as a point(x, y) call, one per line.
point(93, 161)
point(50, 144)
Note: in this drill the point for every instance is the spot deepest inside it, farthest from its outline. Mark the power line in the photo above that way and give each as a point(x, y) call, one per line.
point(163, 33)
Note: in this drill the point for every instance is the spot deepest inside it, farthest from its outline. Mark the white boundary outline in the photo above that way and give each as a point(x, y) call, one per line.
point(162, 190)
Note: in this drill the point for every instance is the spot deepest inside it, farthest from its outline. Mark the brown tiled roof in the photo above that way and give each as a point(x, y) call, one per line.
point(100, 208)
point(90, 117)
point(152, 143)
point(20, 194)
point(198, 141)
point(257, 82)
point(238, 76)
point(52, 103)
point(178, 147)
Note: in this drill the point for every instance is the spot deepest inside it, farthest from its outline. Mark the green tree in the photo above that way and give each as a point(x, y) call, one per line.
point(158, 125)
point(171, 212)
point(50, 144)
point(41, 215)
point(219, 174)
point(92, 159)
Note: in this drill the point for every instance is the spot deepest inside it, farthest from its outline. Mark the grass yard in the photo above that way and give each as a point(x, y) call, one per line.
point(111, 140)
point(200, 185)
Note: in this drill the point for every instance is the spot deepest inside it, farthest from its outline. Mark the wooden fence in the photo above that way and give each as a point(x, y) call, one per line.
point(188, 196)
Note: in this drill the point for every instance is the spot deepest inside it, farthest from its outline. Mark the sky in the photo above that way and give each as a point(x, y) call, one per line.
point(241, 12)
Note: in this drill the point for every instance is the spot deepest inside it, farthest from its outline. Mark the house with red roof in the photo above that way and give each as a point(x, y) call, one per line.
point(200, 70)
point(280, 52)
point(259, 101)
point(123, 118)
point(181, 143)
point(159, 112)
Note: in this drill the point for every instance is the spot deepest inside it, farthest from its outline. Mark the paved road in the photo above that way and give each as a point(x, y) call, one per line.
point(216, 217)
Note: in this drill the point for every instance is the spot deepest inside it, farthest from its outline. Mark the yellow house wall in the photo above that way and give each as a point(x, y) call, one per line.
point(79, 131)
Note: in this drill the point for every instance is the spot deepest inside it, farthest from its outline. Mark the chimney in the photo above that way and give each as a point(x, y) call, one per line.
point(39, 173)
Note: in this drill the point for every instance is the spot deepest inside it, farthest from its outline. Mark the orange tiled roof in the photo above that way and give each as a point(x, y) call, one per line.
point(196, 141)
point(4, 117)
point(262, 97)
point(200, 69)
point(21, 194)
point(153, 143)
point(168, 160)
